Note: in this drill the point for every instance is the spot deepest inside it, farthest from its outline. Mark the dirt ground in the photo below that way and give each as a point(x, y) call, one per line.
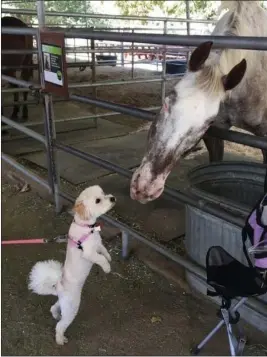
point(131, 311)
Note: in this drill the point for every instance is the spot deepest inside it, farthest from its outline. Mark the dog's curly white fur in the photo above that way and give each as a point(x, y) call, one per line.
point(51, 278)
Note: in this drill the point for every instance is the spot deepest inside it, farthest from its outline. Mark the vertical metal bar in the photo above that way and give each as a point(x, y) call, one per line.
point(125, 244)
point(132, 74)
point(93, 67)
point(163, 83)
point(265, 182)
point(40, 13)
point(122, 53)
point(75, 54)
point(50, 132)
point(86, 23)
point(187, 7)
point(157, 57)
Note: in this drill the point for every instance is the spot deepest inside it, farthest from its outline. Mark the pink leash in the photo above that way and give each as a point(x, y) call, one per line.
point(58, 239)
point(24, 241)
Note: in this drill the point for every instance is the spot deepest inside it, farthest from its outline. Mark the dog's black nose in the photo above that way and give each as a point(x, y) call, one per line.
point(112, 199)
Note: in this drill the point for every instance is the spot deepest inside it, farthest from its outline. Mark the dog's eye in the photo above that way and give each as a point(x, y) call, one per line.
point(97, 200)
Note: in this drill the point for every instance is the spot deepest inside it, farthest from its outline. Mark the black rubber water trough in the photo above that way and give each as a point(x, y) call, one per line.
point(106, 60)
point(176, 67)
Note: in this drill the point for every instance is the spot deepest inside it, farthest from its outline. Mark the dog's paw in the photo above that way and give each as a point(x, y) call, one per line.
point(106, 268)
point(61, 340)
point(55, 313)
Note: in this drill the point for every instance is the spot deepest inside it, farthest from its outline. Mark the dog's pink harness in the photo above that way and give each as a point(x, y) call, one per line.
point(78, 243)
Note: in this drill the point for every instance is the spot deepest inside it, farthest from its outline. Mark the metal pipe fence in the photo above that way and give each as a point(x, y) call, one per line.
point(231, 42)
point(122, 28)
point(65, 120)
point(83, 49)
point(22, 169)
point(53, 145)
point(247, 139)
point(156, 50)
point(98, 84)
point(105, 16)
point(241, 138)
point(33, 134)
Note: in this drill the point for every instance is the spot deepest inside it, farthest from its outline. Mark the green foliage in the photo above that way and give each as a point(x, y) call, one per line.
point(198, 8)
point(204, 8)
point(169, 8)
point(264, 4)
point(68, 6)
point(143, 8)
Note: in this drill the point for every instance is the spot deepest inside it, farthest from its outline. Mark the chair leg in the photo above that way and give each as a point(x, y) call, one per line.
point(236, 345)
point(233, 344)
point(195, 351)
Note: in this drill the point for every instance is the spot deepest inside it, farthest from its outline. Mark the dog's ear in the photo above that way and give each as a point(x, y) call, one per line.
point(80, 210)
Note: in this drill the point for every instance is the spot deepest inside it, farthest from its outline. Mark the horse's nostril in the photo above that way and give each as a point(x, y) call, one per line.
point(112, 199)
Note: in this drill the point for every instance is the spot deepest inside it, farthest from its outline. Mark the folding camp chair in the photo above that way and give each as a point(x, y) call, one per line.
point(231, 279)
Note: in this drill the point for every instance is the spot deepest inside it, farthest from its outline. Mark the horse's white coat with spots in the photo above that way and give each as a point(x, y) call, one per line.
point(227, 87)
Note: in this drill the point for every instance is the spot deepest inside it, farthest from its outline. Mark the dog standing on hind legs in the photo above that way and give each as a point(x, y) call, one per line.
point(84, 248)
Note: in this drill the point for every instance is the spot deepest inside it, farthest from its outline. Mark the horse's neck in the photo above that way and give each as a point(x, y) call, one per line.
point(246, 105)
point(246, 18)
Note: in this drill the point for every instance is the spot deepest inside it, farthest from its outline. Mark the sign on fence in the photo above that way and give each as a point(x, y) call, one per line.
point(54, 62)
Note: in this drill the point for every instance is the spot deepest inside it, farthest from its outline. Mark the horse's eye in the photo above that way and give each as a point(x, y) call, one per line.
point(97, 200)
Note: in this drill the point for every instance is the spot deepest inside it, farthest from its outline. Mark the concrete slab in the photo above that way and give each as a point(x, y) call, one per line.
point(125, 151)
point(85, 132)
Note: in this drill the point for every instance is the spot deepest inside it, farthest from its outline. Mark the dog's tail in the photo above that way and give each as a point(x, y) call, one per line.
point(44, 276)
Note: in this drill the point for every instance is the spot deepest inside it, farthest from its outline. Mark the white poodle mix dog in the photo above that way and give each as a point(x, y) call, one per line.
point(84, 249)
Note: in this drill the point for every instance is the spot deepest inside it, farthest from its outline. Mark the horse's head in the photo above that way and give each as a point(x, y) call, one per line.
point(186, 114)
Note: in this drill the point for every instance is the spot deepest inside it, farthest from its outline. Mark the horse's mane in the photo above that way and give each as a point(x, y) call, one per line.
point(233, 5)
point(244, 18)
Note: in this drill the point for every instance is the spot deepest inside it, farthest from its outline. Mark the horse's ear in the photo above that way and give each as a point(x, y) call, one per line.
point(234, 77)
point(199, 56)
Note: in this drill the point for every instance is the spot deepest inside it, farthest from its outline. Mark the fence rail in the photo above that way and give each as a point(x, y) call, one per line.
point(232, 42)
point(104, 16)
point(230, 135)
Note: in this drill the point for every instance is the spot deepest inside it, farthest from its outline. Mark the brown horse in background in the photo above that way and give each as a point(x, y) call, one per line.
point(17, 42)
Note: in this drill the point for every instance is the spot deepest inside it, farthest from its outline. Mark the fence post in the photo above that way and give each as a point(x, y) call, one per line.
point(93, 68)
point(187, 6)
point(49, 124)
point(163, 83)
point(122, 52)
point(125, 244)
point(132, 74)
